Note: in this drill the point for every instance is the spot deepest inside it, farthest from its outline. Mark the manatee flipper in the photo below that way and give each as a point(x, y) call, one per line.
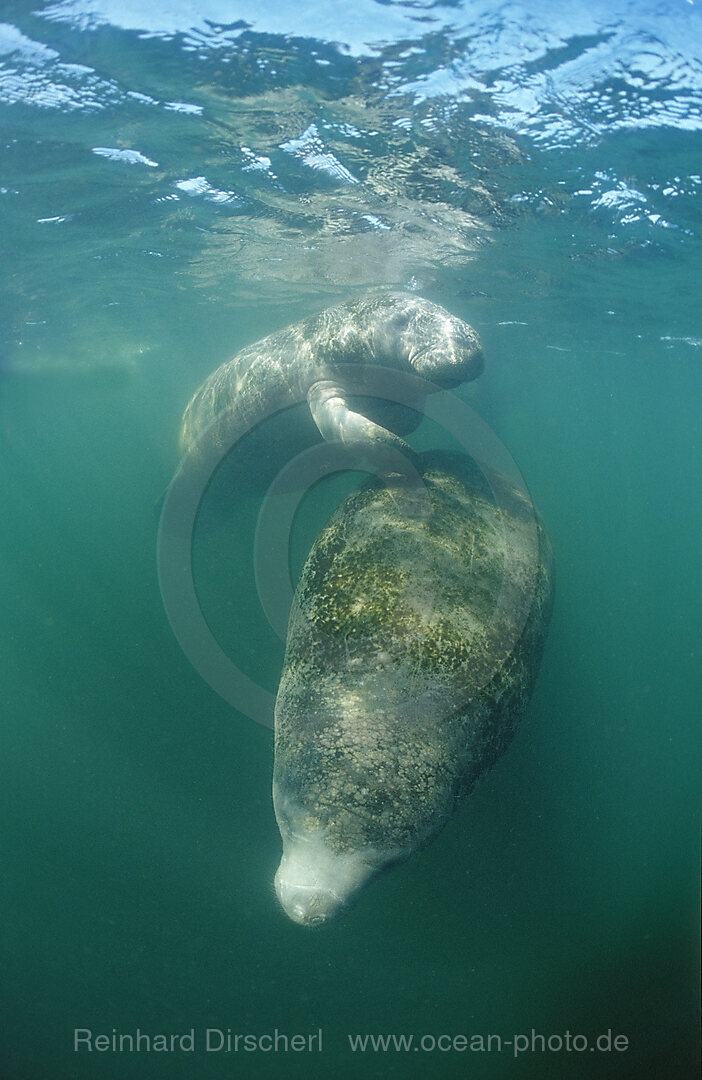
point(337, 422)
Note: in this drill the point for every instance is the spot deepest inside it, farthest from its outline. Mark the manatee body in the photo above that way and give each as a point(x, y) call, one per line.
point(413, 646)
point(328, 364)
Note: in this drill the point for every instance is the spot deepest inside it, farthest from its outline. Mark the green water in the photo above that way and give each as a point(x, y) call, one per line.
point(139, 842)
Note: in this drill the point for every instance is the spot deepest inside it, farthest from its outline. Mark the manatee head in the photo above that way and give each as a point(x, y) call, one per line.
point(429, 341)
point(316, 881)
point(359, 785)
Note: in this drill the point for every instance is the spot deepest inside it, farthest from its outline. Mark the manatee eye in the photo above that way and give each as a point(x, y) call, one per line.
point(400, 320)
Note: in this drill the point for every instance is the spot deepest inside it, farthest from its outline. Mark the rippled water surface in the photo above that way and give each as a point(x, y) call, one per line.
point(177, 180)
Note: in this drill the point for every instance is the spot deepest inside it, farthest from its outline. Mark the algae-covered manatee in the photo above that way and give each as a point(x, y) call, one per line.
point(413, 646)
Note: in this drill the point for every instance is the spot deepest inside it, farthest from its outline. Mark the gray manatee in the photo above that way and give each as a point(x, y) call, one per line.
point(413, 646)
point(329, 363)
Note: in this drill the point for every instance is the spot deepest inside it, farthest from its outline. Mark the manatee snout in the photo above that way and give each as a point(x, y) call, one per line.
point(454, 358)
point(314, 883)
point(313, 887)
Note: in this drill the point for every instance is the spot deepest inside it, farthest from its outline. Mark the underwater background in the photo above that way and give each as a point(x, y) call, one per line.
point(178, 179)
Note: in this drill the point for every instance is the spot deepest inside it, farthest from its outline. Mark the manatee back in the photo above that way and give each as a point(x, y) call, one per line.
point(413, 647)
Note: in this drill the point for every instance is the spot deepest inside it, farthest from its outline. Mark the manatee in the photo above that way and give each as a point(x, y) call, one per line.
point(330, 362)
point(413, 645)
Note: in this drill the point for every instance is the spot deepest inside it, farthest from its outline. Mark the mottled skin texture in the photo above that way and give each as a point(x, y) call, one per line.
point(397, 331)
point(413, 646)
